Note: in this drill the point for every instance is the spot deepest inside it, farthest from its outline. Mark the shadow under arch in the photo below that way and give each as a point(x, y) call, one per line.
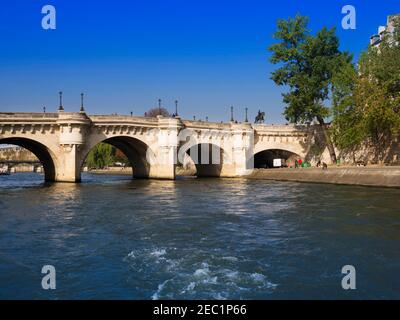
point(40, 151)
point(135, 150)
point(265, 159)
point(208, 158)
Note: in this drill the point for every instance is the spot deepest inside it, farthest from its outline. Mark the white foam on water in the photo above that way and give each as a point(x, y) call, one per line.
point(262, 280)
point(158, 252)
point(271, 285)
point(172, 264)
point(161, 286)
point(210, 280)
point(190, 287)
point(233, 259)
point(257, 277)
point(218, 296)
point(203, 271)
point(231, 274)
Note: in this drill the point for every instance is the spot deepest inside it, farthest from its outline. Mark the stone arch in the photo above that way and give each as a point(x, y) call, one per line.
point(137, 151)
point(207, 157)
point(296, 148)
point(41, 151)
point(263, 159)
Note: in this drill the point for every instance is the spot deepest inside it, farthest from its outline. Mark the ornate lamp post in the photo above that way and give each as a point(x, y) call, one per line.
point(60, 108)
point(82, 108)
point(176, 108)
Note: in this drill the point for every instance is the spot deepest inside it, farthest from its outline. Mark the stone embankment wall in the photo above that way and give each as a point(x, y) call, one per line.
point(16, 154)
point(364, 176)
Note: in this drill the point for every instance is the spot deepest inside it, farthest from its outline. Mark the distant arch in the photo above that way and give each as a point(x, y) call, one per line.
point(134, 149)
point(264, 159)
point(208, 158)
point(42, 152)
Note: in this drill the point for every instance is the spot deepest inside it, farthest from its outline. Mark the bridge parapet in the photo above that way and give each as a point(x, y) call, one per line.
point(119, 118)
point(73, 117)
point(206, 125)
point(289, 128)
point(26, 121)
point(27, 115)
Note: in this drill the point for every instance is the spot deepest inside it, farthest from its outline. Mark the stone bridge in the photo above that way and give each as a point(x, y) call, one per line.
point(154, 146)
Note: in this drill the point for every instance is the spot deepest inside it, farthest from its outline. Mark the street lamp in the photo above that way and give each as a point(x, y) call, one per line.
point(60, 108)
point(176, 108)
point(82, 108)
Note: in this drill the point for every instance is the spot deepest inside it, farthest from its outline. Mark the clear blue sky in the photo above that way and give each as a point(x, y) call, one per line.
point(126, 54)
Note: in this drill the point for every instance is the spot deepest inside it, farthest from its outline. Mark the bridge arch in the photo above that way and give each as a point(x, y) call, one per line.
point(209, 159)
point(137, 151)
point(263, 159)
point(42, 152)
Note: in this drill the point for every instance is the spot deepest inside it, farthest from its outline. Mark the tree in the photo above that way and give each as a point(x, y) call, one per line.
point(308, 64)
point(367, 103)
point(348, 131)
point(104, 155)
point(121, 157)
point(153, 113)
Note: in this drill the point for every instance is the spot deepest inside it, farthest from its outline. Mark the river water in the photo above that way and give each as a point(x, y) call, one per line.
point(116, 238)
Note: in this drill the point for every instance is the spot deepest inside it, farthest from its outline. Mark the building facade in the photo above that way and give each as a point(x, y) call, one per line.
point(384, 31)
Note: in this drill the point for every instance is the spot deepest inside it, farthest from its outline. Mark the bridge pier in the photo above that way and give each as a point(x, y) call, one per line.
point(162, 172)
point(73, 128)
point(68, 169)
point(163, 164)
point(241, 159)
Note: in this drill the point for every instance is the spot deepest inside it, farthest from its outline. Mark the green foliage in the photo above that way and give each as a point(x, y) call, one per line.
point(366, 102)
point(307, 67)
point(348, 131)
point(104, 155)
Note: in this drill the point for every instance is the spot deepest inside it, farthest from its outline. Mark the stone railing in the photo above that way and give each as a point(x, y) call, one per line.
point(121, 118)
point(27, 115)
point(206, 125)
